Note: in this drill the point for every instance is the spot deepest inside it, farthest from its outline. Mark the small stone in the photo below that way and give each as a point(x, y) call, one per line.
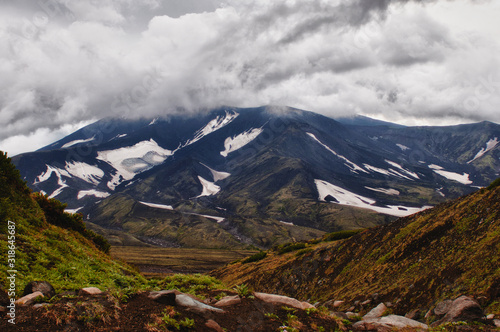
point(351, 308)
point(490, 316)
point(496, 322)
point(337, 304)
point(366, 302)
point(40, 305)
point(90, 291)
point(228, 300)
point(28, 299)
point(376, 312)
point(40, 286)
point(211, 324)
point(388, 304)
point(283, 300)
point(350, 314)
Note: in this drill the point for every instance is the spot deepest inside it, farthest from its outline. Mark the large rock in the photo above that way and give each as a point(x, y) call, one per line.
point(443, 307)
point(283, 300)
point(228, 301)
point(90, 291)
point(376, 312)
point(463, 308)
point(28, 299)
point(40, 286)
point(388, 323)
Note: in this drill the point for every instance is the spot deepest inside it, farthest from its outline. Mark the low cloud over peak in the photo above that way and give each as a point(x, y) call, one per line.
point(65, 62)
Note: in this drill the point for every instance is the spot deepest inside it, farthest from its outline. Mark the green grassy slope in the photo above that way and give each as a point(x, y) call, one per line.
point(66, 256)
point(449, 250)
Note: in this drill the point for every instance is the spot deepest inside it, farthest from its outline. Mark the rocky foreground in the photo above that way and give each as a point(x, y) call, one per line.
point(91, 309)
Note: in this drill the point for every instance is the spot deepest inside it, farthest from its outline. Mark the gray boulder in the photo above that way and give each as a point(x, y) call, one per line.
point(463, 308)
point(228, 301)
point(40, 286)
point(189, 303)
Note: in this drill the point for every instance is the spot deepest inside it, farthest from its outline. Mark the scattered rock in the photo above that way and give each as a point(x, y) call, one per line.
point(463, 308)
point(228, 300)
point(366, 302)
point(211, 324)
point(337, 304)
point(189, 303)
point(40, 305)
point(388, 323)
point(28, 299)
point(389, 304)
point(351, 308)
point(90, 291)
point(496, 322)
point(414, 314)
point(283, 300)
point(376, 312)
point(351, 314)
point(40, 286)
point(490, 316)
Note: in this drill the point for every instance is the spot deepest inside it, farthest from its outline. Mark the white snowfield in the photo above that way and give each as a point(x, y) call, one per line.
point(214, 125)
point(73, 210)
point(412, 174)
point(209, 188)
point(490, 145)
point(131, 160)
point(388, 172)
point(402, 147)
point(45, 176)
point(92, 192)
point(232, 144)
point(392, 192)
point(158, 206)
point(218, 219)
point(88, 173)
point(346, 197)
point(78, 141)
point(352, 166)
point(464, 178)
point(217, 175)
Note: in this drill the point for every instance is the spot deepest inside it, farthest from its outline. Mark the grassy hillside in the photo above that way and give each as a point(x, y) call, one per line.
point(50, 244)
point(413, 262)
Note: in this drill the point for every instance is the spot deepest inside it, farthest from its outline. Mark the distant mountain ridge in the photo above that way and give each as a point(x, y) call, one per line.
point(258, 176)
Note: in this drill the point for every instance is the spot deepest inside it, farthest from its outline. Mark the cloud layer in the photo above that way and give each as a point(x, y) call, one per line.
point(65, 62)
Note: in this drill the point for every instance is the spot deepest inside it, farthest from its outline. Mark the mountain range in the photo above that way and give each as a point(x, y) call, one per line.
point(231, 177)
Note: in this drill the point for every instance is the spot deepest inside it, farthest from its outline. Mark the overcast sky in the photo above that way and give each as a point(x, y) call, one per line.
point(64, 64)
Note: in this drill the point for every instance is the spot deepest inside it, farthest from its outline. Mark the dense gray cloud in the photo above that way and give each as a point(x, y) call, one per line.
point(65, 63)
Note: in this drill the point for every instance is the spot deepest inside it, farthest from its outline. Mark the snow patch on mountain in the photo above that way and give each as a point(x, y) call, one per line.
point(402, 147)
point(234, 143)
point(462, 178)
point(388, 172)
point(209, 188)
point(346, 197)
point(88, 173)
point(157, 206)
point(67, 145)
point(392, 192)
point(131, 160)
point(217, 175)
point(352, 166)
point(73, 210)
point(490, 145)
point(92, 192)
point(214, 125)
point(392, 163)
point(218, 219)
point(48, 173)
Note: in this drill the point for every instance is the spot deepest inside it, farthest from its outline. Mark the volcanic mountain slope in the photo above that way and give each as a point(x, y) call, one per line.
point(64, 255)
point(414, 262)
point(257, 176)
